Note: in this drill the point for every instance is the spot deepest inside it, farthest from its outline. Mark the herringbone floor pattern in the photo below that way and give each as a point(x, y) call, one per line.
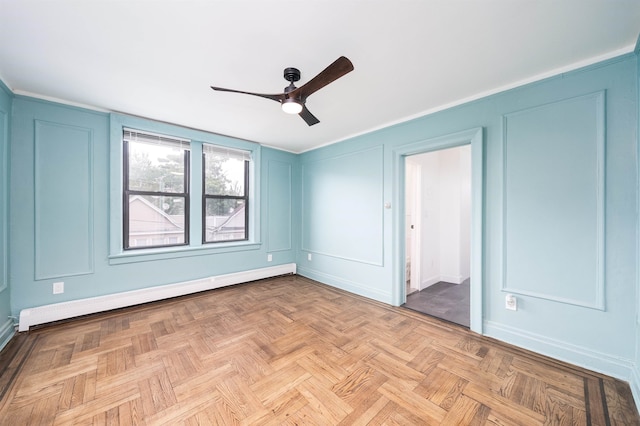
point(291, 351)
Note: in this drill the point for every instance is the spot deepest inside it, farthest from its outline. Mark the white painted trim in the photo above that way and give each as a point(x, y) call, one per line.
point(600, 362)
point(429, 282)
point(74, 308)
point(453, 279)
point(436, 279)
point(7, 330)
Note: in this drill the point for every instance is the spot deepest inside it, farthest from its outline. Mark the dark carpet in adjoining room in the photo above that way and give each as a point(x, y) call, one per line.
point(443, 300)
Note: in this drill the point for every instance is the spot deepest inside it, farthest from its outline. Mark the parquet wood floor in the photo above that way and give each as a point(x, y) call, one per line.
point(291, 351)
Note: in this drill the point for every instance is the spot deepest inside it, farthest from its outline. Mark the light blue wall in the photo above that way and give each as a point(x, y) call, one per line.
point(280, 182)
point(635, 376)
point(6, 324)
point(559, 216)
point(345, 228)
point(60, 210)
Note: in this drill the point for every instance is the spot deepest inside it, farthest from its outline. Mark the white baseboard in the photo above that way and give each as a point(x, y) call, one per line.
point(600, 362)
point(634, 384)
point(453, 279)
point(457, 279)
point(7, 330)
point(429, 282)
point(74, 308)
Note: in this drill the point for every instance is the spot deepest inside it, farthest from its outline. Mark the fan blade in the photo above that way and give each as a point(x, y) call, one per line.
point(277, 98)
point(337, 69)
point(309, 118)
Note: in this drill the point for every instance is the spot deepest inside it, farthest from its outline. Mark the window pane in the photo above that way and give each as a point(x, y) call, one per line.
point(155, 168)
point(225, 220)
point(156, 220)
point(223, 175)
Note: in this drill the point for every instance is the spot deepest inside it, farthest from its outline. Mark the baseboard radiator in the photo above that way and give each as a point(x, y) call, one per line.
point(74, 308)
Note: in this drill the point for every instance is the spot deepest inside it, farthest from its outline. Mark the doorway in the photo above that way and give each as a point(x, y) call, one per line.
point(475, 138)
point(438, 233)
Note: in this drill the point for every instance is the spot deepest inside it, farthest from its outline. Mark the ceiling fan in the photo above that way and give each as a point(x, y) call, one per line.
point(293, 99)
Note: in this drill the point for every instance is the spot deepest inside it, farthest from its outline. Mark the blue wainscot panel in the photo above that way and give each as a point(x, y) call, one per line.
point(6, 323)
point(4, 143)
point(63, 200)
point(554, 201)
point(279, 205)
point(342, 206)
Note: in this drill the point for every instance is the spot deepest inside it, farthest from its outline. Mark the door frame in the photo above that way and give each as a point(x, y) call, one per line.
point(475, 138)
point(416, 245)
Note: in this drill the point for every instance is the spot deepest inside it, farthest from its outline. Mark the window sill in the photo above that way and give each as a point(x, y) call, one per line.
point(146, 255)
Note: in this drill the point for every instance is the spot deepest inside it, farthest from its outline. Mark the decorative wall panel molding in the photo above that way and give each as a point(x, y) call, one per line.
point(279, 206)
point(342, 206)
point(4, 196)
point(63, 179)
point(554, 178)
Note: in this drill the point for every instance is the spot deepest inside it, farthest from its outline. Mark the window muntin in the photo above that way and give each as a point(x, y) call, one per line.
point(156, 190)
point(225, 199)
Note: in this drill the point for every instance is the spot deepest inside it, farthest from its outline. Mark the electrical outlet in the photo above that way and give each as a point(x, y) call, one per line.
point(510, 302)
point(58, 287)
point(309, 256)
point(269, 258)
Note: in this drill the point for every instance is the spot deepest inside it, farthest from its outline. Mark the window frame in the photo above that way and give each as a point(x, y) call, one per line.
point(206, 196)
point(116, 254)
point(127, 192)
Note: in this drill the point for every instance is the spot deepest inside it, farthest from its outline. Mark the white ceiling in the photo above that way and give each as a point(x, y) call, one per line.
point(157, 59)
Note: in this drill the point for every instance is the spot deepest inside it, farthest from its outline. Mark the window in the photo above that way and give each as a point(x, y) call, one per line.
point(158, 203)
point(225, 200)
point(156, 190)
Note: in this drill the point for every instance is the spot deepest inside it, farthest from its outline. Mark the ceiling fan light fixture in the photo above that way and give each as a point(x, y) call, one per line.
point(291, 106)
point(293, 99)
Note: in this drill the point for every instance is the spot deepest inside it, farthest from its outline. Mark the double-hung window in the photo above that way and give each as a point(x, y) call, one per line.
point(225, 194)
point(155, 190)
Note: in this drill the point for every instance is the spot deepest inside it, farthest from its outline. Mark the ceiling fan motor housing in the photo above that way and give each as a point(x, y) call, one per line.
point(291, 74)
